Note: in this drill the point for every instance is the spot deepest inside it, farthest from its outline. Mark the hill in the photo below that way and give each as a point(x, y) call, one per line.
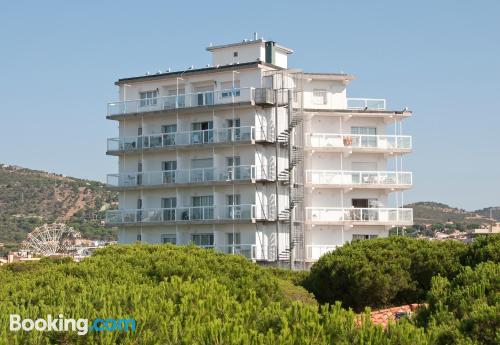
point(29, 198)
point(429, 212)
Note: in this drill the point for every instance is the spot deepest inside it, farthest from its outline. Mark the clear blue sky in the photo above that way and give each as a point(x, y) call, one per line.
point(59, 59)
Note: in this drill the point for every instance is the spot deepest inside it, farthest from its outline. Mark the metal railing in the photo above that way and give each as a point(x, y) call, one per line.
point(188, 100)
point(367, 141)
point(183, 176)
point(236, 249)
point(366, 103)
point(187, 214)
point(375, 215)
point(199, 137)
point(343, 177)
point(314, 252)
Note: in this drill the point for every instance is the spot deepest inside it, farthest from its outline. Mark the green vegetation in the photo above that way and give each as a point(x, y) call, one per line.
point(465, 308)
point(383, 272)
point(189, 295)
point(30, 198)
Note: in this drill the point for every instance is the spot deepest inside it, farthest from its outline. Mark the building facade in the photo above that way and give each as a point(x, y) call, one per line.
point(251, 157)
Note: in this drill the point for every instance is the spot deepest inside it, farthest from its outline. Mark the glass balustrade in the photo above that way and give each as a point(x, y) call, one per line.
point(199, 137)
point(366, 103)
point(188, 213)
point(197, 99)
point(358, 178)
point(374, 215)
point(390, 142)
point(182, 176)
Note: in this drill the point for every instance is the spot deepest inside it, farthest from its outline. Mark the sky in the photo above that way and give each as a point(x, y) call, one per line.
point(59, 61)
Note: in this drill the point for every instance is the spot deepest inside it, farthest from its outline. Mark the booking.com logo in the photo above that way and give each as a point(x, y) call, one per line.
point(61, 324)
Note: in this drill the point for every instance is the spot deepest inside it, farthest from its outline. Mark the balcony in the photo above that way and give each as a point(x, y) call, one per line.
point(233, 135)
point(189, 214)
point(359, 216)
point(314, 252)
point(182, 101)
point(358, 179)
point(250, 173)
point(366, 104)
point(358, 142)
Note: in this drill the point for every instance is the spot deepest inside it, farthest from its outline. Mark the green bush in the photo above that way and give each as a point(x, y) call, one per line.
point(467, 307)
point(382, 272)
point(483, 248)
point(178, 295)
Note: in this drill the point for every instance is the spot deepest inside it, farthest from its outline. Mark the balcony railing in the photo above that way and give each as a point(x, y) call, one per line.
point(184, 176)
point(358, 178)
point(314, 252)
point(366, 103)
point(189, 100)
point(177, 139)
point(361, 141)
point(236, 249)
point(188, 214)
point(368, 215)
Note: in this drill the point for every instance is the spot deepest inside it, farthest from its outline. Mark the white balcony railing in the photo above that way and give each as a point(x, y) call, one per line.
point(361, 141)
point(236, 249)
point(358, 178)
point(206, 136)
point(197, 99)
point(366, 103)
point(184, 176)
point(391, 216)
point(188, 214)
point(314, 252)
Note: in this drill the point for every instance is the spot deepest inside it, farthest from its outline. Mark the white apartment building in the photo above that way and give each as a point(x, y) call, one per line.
point(250, 157)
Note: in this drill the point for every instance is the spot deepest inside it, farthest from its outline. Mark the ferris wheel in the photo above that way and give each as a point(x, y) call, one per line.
point(52, 239)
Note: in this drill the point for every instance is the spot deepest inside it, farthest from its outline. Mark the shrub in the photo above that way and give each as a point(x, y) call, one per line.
point(382, 272)
point(178, 295)
point(467, 307)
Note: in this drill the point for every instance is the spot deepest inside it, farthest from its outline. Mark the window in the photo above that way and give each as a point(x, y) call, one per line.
point(233, 243)
point(176, 99)
point(319, 96)
point(149, 98)
point(168, 205)
point(202, 207)
point(233, 131)
point(235, 54)
point(233, 238)
point(364, 130)
point(363, 237)
point(169, 238)
point(364, 136)
point(169, 168)
point(233, 168)
point(169, 134)
point(233, 206)
point(230, 89)
point(139, 237)
point(202, 132)
point(139, 131)
point(139, 174)
point(206, 240)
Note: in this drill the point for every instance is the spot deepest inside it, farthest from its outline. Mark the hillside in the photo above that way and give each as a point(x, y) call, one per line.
point(29, 198)
point(428, 212)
